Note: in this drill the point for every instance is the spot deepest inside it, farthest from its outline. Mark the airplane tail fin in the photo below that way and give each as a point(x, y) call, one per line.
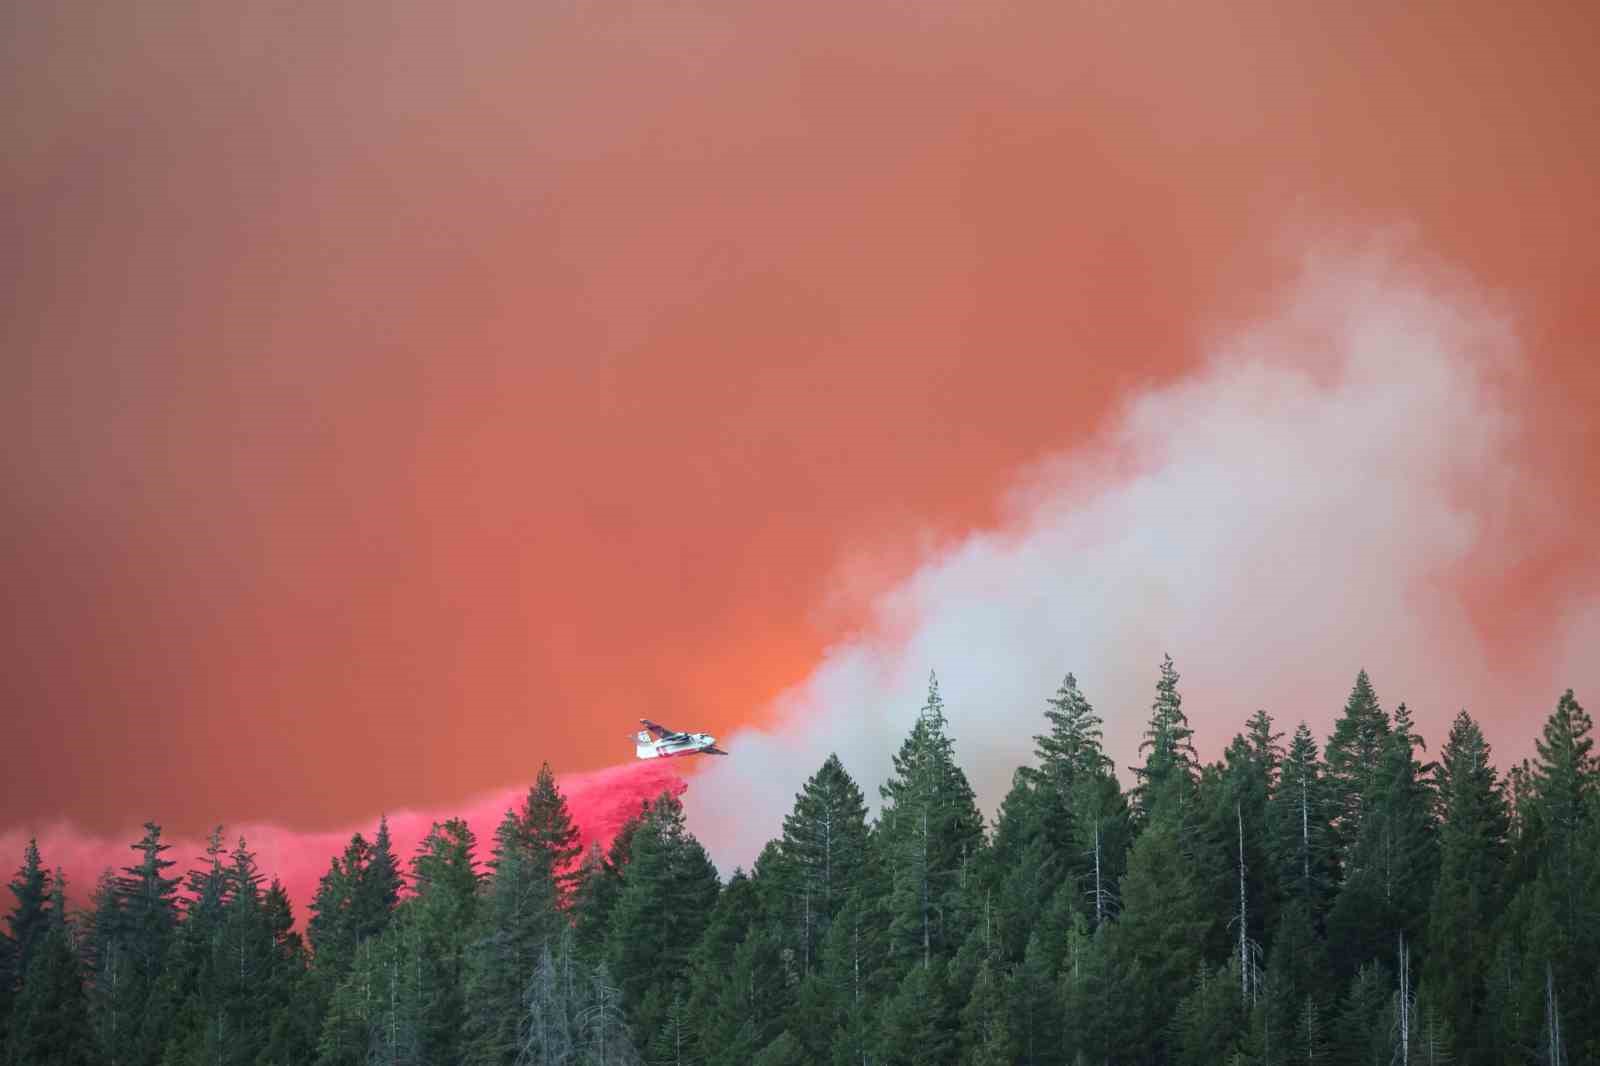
point(644, 748)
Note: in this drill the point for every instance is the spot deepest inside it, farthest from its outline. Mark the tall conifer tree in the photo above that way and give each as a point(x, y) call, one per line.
point(517, 918)
point(1170, 765)
point(824, 849)
point(550, 831)
point(134, 926)
point(931, 834)
point(1352, 753)
point(50, 1026)
point(1392, 864)
point(666, 899)
point(1564, 784)
point(1299, 833)
point(1469, 896)
point(30, 915)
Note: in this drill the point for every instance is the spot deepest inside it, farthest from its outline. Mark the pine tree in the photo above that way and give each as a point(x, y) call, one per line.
point(1080, 809)
point(30, 918)
point(50, 1023)
point(517, 918)
point(916, 1023)
point(1210, 1022)
point(742, 1010)
point(1011, 877)
point(1299, 835)
point(854, 957)
point(599, 886)
point(824, 849)
point(1238, 829)
point(329, 928)
point(287, 995)
point(134, 926)
point(247, 949)
point(1393, 862)
point(376, 892)
point(1309, 1046)
point(1566, 798)
point(675, 1042)
point(1564, 784)
point(354, 902)
point(666, 897)
point(551, 832)
point(1469, 894)
point(985, 1037)
point(1433, 1042)
point(192, 981)
point(1155, 946)
point(1365, 1024)
point(149, 903)
point(376, 1012)
point(1353, 753)
point(439, 919)
point(1297, 964)
point(1034, 1018)
point(930, 835)
point(1074, 746)
point(1170, 767)
point(106, 957)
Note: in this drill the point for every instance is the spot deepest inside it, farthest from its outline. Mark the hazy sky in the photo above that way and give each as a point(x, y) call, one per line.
point(397, 397)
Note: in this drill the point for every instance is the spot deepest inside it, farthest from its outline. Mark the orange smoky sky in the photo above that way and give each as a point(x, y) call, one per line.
point(397, 396)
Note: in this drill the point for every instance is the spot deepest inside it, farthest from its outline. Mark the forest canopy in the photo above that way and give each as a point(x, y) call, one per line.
point(1368, 899)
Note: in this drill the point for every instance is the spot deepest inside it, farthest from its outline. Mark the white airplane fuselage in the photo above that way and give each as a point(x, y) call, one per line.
point(648, 747)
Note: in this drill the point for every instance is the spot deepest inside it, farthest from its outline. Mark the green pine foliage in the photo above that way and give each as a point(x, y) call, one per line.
point(1300, 836)
point(824, 856)
point(1155, 946)
point(1170, 769)
point(1364, 1036)
point(548, 829)
point(1391, 864)
point(662, 909)
point(1210, 1022)
point(30, 917)
point(985, 1036)
point(1470, 891)
point(516, 916)
point(930, 836)
point(1270, 906)
point(49, 1023)
point(918, 1026)
point(1352, 753)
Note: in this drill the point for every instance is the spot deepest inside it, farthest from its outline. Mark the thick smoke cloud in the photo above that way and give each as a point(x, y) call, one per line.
point(1310, 503)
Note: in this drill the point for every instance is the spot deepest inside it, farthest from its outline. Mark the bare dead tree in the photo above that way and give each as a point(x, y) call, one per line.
point(1555, 1053)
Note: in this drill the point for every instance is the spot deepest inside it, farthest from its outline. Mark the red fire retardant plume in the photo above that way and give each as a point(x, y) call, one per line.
point(600, 801)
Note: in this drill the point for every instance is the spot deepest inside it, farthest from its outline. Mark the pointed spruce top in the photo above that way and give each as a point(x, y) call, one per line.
point(934, 708)
point(1074, 744)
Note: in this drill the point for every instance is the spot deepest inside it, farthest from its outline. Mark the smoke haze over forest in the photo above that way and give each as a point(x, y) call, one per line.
point(1308, 504)
point(397, 400)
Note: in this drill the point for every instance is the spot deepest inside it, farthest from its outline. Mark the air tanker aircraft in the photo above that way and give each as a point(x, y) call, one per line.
point(658, 742)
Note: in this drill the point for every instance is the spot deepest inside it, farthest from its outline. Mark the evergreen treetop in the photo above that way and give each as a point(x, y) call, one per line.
point(547, 823)
point(1352, 755)
point(1170, 766)
point(31, 915)
point(1073, 747)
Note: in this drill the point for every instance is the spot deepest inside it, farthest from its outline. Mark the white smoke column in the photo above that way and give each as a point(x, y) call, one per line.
point(1290, 514)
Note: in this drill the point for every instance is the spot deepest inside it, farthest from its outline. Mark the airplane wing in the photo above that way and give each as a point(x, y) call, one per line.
point(661, 731)
point(713, 750)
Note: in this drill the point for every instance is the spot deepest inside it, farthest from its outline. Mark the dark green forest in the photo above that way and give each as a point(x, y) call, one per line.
point(1369, 900)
